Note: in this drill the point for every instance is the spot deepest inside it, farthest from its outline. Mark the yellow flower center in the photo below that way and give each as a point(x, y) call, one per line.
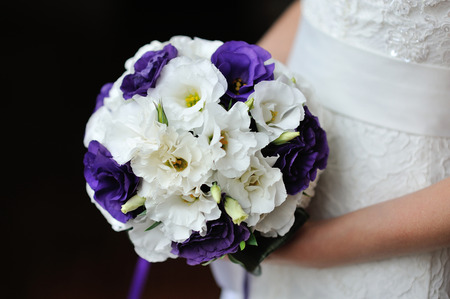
point(192, 99)
point(236, 85)
point(274, 115)
point(224, 140)
point(191, 200)
point(179, 164)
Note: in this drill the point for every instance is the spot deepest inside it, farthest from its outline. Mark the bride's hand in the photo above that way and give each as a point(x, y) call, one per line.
point(301, 249)
point(413, 223)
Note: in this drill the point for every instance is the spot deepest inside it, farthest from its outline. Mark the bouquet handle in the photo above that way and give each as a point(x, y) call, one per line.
point(252, 256)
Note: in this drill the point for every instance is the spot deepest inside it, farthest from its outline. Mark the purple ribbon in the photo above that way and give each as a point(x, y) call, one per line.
point(140, 275)
point(139, 279)
point(246, 284)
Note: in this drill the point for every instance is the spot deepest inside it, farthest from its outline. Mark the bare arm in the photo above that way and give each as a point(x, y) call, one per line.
point(279, 38)
point(413, 223)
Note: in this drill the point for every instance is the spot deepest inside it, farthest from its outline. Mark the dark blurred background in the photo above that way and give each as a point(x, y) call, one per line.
point(57, 55)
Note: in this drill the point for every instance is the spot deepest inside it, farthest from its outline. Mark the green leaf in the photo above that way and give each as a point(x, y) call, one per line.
point(252, 240)
point(242, 245)
point(153, 226)
point(252, 256)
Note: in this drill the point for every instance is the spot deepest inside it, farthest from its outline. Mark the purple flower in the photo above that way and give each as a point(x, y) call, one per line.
point(243, 66)
point(222, 237)
point(146, 71)
point(112, 183)
point(104, 92)
point(300, 158)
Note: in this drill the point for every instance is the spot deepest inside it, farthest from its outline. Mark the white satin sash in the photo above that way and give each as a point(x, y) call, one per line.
point(230, 278)
point(377, 89)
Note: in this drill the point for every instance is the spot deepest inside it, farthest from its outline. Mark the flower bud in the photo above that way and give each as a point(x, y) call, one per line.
point(285, 137)
point(234, 210)
point(216, 192)
point(132, 204)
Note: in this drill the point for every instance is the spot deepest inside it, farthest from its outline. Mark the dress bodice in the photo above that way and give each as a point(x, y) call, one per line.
point(415, 31)
point(380, 70)
point(383, 62)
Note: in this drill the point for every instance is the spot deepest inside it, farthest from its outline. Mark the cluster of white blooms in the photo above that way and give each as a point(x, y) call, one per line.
point(179, 141)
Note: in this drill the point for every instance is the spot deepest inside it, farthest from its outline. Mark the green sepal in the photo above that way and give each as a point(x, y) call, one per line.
point(153, 226)
point(208, 262)
point(249, 103)
point(251, 257)
point(230, 104)
point(143, 213)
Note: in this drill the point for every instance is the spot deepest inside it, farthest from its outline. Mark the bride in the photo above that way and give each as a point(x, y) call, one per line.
point(380, 223)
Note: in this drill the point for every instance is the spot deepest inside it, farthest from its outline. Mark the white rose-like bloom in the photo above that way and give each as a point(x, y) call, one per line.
point(280, 220)
point(196, 47)
point(152, 245)
point(230, 138)
point(278, 107)
point(134, 129)
point(101, 119)
point(97, 125)
point(179, 164)
point(184, 87)
point(182, 214)
point(259, 190)
point(115, 98)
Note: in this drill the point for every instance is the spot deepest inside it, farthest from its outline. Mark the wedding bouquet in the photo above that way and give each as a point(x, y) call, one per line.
point(203, 149)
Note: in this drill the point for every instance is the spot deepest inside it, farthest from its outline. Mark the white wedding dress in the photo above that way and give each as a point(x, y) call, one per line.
point(381, 74)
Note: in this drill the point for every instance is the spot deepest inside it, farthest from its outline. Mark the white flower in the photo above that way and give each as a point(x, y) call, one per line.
point(277, 107)
point(101, 120)
point(194, 48)
point(184, 87)
point(280, 220)
point(178, 164)
point(259, 190)
point(115, 98)
point(229, 136)
point(134, 130)
point(97, 125)
point(115, 224)
point(182, 214)
point(152, 245)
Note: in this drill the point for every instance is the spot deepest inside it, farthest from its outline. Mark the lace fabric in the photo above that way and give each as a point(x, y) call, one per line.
point(415, 31)
point(368, 164)
point(369, 161)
